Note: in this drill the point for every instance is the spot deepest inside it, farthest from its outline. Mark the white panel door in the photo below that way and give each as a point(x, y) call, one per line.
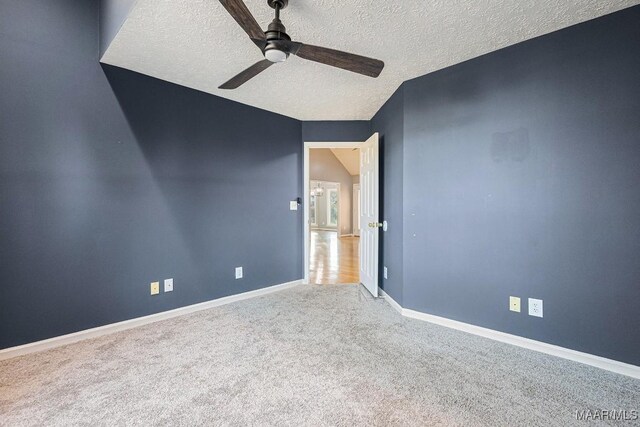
point(369, 214)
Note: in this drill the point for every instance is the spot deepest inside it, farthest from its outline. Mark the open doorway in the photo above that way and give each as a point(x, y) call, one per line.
point(369, 209)
point(333, 234)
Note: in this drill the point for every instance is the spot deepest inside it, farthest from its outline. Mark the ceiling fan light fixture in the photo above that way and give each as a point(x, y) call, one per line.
point(275, 55)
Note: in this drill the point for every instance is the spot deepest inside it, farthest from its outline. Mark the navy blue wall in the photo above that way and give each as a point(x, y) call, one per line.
point(389, 123)
point(331, 131)
point(521, 173)
point(110, 180)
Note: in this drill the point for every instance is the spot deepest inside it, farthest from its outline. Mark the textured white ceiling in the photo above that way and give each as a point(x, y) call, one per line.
point(350, 159)
point(195, 43)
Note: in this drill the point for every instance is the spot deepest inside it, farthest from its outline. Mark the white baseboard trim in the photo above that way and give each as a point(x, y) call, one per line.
point(11, 352)
point(390, 300)
point(542, 347)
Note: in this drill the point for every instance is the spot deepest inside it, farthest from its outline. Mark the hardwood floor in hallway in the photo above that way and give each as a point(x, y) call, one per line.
point(333, 260)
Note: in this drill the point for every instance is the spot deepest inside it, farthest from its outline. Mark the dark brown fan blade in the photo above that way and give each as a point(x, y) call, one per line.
point(239, 11)
point(347, 61)
point(247, 75)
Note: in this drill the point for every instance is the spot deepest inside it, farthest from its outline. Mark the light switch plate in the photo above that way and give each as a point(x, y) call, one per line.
point(155, 288)
point(293, 205)
point(168, 285)
point(514, 304)
point(239, 273)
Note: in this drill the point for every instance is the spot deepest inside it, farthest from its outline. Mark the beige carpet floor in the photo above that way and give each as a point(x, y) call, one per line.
point(310, 355)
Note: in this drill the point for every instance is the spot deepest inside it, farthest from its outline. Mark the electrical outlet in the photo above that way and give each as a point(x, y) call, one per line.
point(293, 205)
point(384, 272)
point(514, 304)
point(535, 307)
point(155, 288)
point(239, 273)
point(168, 285)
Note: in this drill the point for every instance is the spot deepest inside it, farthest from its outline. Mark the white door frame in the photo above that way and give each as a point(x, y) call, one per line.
point(306, 189)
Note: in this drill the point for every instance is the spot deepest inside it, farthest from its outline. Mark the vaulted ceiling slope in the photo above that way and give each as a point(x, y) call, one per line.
point(196, 43)
point(350, 159)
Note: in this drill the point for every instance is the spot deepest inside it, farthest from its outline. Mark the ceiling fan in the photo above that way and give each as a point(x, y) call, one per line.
point(276, 46)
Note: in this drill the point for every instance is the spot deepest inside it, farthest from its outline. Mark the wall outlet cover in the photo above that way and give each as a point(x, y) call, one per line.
point(514, 304)
point(384, 272)
point(239, 273)
point(168, 285)
point(155, 288)
point(535, 307)
point(293, 205)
